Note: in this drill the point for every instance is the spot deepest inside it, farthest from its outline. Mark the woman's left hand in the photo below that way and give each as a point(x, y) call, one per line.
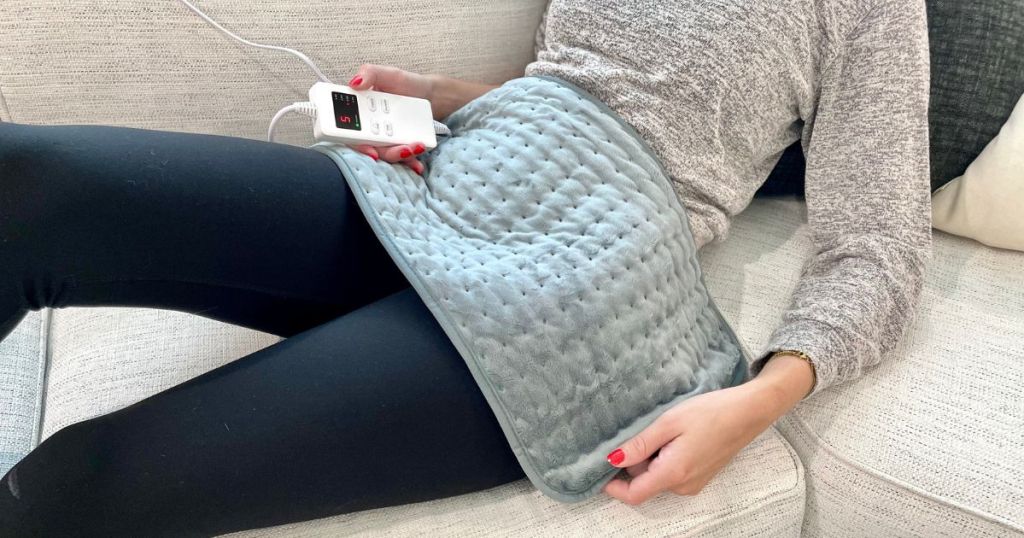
point(697, 438)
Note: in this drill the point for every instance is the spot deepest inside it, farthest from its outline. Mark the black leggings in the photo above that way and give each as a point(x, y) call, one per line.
point(365, 404)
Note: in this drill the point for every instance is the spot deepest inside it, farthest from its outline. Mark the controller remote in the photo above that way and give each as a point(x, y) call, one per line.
point(370, 117)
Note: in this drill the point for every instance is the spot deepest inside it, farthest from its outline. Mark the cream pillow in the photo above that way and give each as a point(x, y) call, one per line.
point(987, 202)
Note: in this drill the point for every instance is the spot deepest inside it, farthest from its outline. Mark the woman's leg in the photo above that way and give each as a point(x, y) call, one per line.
point(372, 409)
point(266, 236)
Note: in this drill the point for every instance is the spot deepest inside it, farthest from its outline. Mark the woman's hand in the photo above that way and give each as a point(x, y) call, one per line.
point(697, 438)
point(401, 82)
point(445, 95)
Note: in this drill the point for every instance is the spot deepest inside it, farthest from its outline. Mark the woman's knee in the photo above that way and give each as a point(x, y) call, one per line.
point(59, 482)
point(25, 153)
point(41, 188)
point(14, 154)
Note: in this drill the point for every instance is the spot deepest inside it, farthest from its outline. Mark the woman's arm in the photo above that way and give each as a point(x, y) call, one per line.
point(868, 199)
point(868, 205)
point(449, 94)
point(446, 95)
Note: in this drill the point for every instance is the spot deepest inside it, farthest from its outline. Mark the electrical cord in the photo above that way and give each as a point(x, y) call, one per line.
point(302, 107)
point(229, 33)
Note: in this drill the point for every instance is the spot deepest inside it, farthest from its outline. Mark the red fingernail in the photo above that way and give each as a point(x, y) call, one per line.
point(405, 154)
point(374, 157)
point(356, 80)
point(418, 148)
point(419, 169)
point(616, 456)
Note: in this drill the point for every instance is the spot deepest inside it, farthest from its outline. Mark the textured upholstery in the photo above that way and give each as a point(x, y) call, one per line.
point(107, 358)
point(984, 203)
point(977, 73)
point(22, 370)
point(103, 359)
point(154, 64)
point(926, 444)
point(930, 442)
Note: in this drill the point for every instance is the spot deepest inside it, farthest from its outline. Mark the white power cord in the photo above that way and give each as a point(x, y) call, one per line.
point(229, 33)
point(304, 107)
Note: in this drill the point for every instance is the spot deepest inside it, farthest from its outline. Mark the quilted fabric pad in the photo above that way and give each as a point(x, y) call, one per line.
point(547, 241)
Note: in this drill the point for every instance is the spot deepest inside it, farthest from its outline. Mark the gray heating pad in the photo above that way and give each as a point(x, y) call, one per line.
point(545, 238)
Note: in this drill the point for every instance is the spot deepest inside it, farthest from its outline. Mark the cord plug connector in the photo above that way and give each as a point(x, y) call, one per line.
point(305, 108)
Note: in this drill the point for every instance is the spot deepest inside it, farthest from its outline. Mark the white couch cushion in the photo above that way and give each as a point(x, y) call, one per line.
point(931, 441)
point(107, 358)
point(104, 359)
point(22, 369)
point(155, 64)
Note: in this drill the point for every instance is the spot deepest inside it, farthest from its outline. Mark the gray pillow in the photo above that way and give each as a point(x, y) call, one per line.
point(977, 70)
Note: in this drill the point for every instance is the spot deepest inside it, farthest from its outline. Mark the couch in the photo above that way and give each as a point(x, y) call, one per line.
point(929, 443)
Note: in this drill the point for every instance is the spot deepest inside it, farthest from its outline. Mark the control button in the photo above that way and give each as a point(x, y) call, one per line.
point(376, 127)
point(385, 106)
point(373, 104)
point(388, 129)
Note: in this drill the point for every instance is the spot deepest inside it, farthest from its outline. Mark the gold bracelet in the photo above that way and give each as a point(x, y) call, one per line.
point(802, 355)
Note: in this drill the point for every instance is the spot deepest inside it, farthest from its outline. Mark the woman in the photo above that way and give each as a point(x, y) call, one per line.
point(269, 237)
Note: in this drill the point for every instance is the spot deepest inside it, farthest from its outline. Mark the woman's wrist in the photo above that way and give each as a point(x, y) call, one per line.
point(783, 381)
point(447, 94)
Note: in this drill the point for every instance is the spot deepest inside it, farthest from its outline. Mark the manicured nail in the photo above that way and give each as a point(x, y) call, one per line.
point(374, 156)
point(418, 148)
point(405, 153)
point(356, 80)
point(419, 168)
point(616, 456)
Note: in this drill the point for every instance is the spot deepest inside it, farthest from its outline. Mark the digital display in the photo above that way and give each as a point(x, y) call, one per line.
point(346, 111)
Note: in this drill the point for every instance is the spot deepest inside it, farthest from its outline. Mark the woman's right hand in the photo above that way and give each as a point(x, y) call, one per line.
point(446, 95)
point(401, 82)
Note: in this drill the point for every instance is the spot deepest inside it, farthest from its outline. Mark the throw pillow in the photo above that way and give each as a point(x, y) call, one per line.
point(977, 72)
point(985, 203)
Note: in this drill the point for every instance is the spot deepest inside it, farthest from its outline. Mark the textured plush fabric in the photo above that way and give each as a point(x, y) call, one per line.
point(719, 89)
point(22, 370)
point(548, 243)
point(154, 64)
point(977, 64)
point(930, 443)
point(985, 203)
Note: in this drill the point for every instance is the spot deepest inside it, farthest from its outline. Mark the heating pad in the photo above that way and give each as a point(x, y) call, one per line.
point(546, 239)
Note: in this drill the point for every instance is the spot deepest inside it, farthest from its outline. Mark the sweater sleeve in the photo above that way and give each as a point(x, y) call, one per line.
point(868, 199)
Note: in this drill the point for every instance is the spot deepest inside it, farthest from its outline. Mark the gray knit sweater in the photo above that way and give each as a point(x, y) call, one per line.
point(719, 88)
